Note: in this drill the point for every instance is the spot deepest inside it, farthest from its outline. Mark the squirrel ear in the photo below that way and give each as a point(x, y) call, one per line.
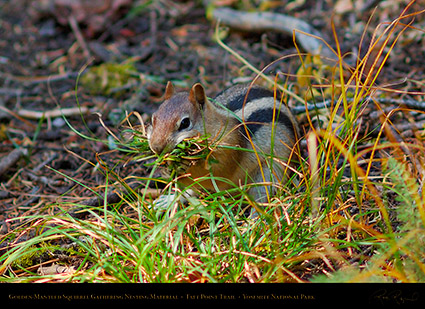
point(169, 90)
point(197, 95)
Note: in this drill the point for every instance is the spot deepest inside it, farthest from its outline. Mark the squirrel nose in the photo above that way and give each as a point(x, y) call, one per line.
point(157, 147)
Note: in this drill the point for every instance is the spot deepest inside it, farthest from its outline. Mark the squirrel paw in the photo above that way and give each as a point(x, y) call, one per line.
point(165, 201)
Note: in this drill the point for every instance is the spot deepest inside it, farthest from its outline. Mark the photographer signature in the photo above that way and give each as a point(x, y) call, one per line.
point(396, 297)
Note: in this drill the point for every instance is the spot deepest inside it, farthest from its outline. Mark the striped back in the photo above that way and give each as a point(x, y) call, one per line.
point(256, 106)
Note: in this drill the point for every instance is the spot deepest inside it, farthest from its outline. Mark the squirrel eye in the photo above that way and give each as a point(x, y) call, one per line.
point(184, 123)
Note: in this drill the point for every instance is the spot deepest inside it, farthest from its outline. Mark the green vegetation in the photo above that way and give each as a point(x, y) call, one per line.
point(109, 78)
point(334, 221)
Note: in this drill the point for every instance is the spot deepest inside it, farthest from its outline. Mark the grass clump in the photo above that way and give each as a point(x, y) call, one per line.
point(355, 213)
point(187, 152)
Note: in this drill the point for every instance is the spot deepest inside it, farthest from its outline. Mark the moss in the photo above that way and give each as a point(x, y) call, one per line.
point(31, 257)
point(108, 78)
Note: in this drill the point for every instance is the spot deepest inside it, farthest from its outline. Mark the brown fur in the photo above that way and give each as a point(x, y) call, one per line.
point(238, 167)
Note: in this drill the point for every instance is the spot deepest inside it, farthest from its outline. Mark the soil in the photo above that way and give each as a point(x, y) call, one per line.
point(44, 47)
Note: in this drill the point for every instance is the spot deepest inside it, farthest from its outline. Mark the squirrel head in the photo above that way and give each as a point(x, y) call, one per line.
point(180, 116)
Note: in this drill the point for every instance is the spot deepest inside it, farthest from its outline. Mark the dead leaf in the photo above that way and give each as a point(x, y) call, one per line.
point(55, 269)
point(96, 15)
point(343, 6)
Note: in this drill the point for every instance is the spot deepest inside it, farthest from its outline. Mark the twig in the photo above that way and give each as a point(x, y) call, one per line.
point(418, 105)
point(53, 113)
point(80, 39)
point(43, 179)
point(8, 112)
point(38, 79)
point(10, 160)
point(8, 91)
point(306, 35)
point(45, 162)
point(254, 69)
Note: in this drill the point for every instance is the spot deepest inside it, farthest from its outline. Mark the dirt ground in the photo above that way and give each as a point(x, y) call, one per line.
point(45, 44)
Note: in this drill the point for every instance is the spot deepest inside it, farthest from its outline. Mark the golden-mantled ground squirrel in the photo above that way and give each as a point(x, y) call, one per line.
point(248, 117)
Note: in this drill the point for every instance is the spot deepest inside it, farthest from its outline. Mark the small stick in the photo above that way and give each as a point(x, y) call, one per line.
point(52, 113)
point(409, 103)
point(80, 38)
point(35, 79)
point(306, 35)
point(10, 160)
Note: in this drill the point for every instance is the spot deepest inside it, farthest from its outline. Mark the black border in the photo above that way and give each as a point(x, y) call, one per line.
point(179, 293)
